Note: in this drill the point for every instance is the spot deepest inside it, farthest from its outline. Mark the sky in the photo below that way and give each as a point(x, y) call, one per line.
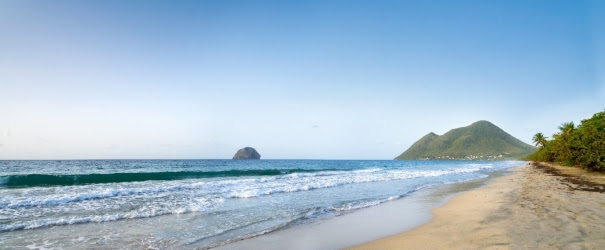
point(293, 79)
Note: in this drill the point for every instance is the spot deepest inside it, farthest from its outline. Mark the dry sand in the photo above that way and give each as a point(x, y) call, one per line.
point(538, 206)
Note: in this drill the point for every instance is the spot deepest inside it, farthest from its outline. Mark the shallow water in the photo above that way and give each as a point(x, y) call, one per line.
point(180, 203)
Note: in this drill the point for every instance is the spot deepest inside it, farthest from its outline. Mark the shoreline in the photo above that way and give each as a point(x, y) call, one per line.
point(535, 206)
point(365, 224)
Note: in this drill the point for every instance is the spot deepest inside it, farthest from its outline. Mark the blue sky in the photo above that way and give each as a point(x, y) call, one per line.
point(294, 79)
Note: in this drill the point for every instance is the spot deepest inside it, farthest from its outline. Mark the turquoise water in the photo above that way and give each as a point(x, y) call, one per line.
point(198, 203)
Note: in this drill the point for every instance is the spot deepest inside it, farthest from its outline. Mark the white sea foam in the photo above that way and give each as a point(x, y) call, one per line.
point(289, 184)
point(57, 196)
point(354, 206)
point(199, 205)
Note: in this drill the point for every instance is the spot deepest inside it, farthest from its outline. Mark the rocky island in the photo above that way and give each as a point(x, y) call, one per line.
point(246, 153)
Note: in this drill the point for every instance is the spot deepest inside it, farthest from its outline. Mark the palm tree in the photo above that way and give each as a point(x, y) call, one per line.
point(539, 139)
point(567, 128)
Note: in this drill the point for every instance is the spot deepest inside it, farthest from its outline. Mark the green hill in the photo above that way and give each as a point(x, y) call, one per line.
point(481, 140)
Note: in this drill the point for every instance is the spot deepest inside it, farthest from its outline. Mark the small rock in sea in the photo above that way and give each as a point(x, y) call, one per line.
point(247, 153)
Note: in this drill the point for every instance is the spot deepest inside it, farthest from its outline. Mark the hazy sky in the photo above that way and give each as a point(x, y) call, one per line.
point(294, 79)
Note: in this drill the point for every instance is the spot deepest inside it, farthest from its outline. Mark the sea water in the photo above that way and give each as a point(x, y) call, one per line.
point(198, 203)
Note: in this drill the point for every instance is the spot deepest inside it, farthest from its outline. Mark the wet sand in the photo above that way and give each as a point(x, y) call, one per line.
point(538, 206)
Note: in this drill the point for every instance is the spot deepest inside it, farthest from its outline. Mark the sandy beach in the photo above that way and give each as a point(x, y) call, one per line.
point(536, 206)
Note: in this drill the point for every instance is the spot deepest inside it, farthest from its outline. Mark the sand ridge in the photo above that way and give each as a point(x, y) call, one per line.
point(536, 206)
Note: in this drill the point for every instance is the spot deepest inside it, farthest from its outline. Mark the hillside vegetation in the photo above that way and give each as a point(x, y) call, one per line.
point(581, 146)
point(481, 140)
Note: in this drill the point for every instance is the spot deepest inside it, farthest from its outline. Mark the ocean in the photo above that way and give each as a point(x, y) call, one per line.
point(155, 204)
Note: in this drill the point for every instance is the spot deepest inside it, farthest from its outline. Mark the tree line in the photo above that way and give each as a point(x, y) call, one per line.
point(580, 146)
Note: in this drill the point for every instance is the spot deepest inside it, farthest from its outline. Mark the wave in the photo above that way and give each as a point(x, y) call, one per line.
point(293, 183)
point(38, 180)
